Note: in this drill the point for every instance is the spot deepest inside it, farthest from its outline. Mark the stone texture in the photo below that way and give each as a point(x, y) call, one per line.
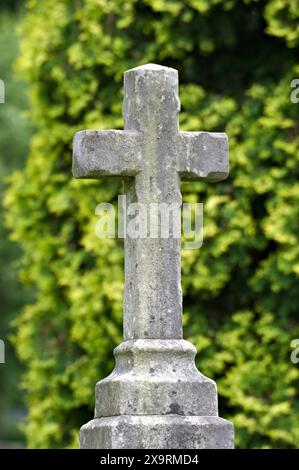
point(107, 153)
point(203, 155)
point(156, 155)
point(158, 432)
point(155, 397)
point(156, 377)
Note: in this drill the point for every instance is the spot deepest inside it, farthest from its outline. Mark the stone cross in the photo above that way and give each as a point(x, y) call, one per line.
point(155, 397)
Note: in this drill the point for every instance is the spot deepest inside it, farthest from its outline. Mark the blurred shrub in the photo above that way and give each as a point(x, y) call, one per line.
point(11, 5)
point(236, 60)
point(14, 139)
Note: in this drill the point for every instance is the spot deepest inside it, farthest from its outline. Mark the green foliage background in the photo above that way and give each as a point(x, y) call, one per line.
point(14, 139)
point(236, 60)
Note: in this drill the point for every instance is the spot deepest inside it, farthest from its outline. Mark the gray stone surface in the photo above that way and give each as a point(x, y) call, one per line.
point(158, 432)
point(156, 155)
point(107, 153)
point(155, 383)
point(154, 377)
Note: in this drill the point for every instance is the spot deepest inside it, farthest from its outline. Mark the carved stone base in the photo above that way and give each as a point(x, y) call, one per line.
point(156, 377)
point(156, 398)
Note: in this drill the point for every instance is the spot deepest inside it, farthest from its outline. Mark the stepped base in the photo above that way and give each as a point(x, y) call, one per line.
point(155, 398)
point(155, 377)
point(157, 432)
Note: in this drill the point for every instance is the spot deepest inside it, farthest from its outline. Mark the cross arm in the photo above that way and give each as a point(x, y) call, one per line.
point(203, 156)
point(106, 153)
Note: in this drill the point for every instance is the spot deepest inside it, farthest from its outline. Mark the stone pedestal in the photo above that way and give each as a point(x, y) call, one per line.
point(156, 398)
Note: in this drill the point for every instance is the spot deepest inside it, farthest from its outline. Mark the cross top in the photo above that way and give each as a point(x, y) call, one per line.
point(152, 155)
point(151, 99)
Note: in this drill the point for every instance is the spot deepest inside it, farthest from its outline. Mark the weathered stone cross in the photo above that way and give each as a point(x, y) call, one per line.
point(155, 382)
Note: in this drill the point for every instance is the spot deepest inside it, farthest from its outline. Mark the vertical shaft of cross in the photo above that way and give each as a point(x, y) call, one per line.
point(153, 298)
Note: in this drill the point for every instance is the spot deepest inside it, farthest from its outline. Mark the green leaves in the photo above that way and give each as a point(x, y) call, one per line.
point(282, 17)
